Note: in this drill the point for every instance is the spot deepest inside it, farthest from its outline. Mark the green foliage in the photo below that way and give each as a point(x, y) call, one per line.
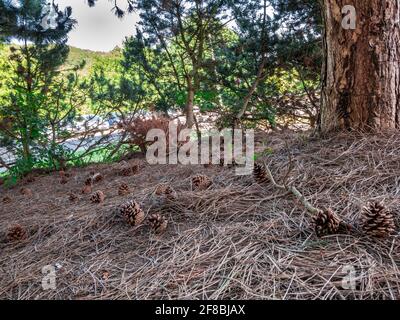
point(114, 90)
point(174, 54)
point(232, 57)
point(150, 69)
point(39, 102)
point(217, 51)
point(300, 42)
point(23, 20)
point(99, 155)
point(91, 59)
point(34, 107)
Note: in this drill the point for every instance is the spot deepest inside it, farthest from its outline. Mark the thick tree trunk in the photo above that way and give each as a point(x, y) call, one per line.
point(361, 75)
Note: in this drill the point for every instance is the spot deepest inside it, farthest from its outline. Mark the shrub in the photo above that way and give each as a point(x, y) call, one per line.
point(139, 127)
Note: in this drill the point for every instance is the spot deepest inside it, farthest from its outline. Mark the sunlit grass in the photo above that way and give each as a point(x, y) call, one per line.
point(80, 159)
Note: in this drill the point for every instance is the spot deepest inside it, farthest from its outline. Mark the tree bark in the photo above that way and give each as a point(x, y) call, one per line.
point(361, 73)
point(190, 104)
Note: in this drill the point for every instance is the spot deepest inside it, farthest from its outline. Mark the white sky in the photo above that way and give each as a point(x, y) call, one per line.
point(98, 28)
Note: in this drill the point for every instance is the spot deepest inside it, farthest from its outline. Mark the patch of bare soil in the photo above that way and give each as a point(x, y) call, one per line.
point(235, 240)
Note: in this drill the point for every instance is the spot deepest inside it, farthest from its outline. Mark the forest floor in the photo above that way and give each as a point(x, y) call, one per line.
point(236, 240)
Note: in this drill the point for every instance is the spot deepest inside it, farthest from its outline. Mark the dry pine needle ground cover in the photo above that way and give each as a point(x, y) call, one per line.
point(235, 240)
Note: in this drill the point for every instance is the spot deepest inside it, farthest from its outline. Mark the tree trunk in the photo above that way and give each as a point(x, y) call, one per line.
point(361, 74)
point(189, 105)
point(26, 148)
point(250, 93)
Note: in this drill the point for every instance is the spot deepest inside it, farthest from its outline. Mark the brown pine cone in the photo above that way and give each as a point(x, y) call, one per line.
point(131, 212)
point(7, 199)
point(201, 182)
point(260, 174)
point(97, 178)
point(135, 168)
point(16, 233)
point(123, 189)
point(377, 220)
point(89, 181)
point(72, 197)
point(86, 189)
point(129, 170)
point(97, 197)
point(164, 189)
point(30, 178)
point(157, 223)
point(207, 165)
point(26, 192)
point(326, 222)
point(64, 180)
point(64, 174)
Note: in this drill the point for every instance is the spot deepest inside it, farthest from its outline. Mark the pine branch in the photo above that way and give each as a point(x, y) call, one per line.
point(292, 189)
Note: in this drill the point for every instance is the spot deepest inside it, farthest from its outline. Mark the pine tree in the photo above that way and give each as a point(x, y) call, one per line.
point(27, 111)
point(180, 31)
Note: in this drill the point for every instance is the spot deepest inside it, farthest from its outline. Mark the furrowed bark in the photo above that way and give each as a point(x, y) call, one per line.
point(361, 74)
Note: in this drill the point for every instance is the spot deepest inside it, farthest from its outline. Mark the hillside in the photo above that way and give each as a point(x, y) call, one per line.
point(235, 240)
point(76, 55)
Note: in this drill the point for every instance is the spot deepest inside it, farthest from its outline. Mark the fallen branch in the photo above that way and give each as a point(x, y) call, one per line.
point(326, 222)
point(292, 189)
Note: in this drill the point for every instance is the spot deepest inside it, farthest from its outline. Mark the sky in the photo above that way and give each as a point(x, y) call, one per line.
point(98, 29)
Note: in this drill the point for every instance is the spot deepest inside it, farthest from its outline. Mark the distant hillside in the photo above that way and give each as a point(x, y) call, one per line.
point(76, 55)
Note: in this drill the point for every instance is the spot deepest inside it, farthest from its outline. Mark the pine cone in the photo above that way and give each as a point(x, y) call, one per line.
point(260, 174)
point(132, 213)
point(123, 189)
point(326, 222)
point(97, 197)
point(64, 174)
point(164, 189)
point(126, 171)
point(377, 220)
point(72, 197)
point(89, 181)
point(129, 170)
point(87, 189)
point(7, 199)
point(157, 223)
point(30, 178)
point(97, 178)
point(64, 180)
point(135, 168)
point(16, 233)
point(201, 182)
point(26, 192)
point(105, 275)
